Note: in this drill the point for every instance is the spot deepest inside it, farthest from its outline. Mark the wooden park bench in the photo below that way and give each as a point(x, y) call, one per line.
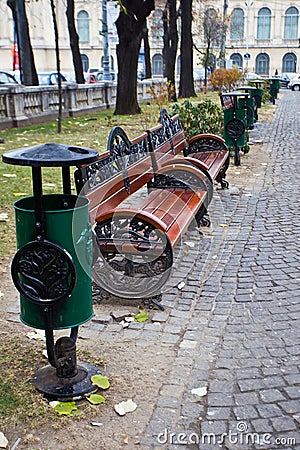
point(208, 152)
point(135, 244)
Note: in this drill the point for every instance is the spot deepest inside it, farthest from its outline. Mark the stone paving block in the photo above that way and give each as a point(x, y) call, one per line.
point(268, 410)
point(275, 381)
point(188, 344)
point(154, 326)
point(149, 336)
point(250, 385)
point(216, 427)
point(192, 409)
point(249, 372)
point(170, 339)
point(221, 386)
point(290, 406)
point(120, 314)
point(271, 395)
point(220, 399)
point(130, 335)
point(248, 398)
point(284, 424)
point(293, 392)
point(262, 426)
point(160, 317)
point(245, 412)
point(218, 413)
point(168, 402)
point(166, 416)
point(114, 328)
point(102, 318)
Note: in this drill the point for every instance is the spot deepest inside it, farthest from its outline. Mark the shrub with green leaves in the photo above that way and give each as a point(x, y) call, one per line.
point(202, 117)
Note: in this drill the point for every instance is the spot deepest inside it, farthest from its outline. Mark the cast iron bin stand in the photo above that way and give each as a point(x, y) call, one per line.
point(258, 95)
point(234, 122)
point(52, 267)
point(250, 104)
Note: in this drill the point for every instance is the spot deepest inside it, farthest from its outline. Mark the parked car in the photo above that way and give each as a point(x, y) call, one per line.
point(252, 76)
point(285, 78)
point(294, 84)
point(93, 70)
point(50, 78)
point(99, 76)
point(199, 73)
point(90, 77)
point(7, 78)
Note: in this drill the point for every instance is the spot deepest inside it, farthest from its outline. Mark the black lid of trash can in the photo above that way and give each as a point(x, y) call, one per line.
point(237, 94)
point(50, 154)
point(246, 88)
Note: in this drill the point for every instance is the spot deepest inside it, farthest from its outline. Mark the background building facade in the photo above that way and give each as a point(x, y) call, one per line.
point(262, 36)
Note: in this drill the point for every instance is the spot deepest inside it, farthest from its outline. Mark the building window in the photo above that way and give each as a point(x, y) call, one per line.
point(157, 27)
point(291, 19)
point(237, 60)
point(157, 64)
point(85, 62)
point(237, 25)
point(264, 23)
point(262, 65)
point(83, 26)
point(289, 62)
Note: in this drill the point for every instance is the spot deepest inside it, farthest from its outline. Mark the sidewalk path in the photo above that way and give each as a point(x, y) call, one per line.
point(241, 336)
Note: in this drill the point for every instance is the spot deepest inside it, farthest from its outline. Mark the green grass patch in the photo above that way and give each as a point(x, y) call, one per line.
point(19, 401)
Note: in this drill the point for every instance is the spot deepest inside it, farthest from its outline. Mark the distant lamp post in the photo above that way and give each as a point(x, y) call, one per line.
point(247, 54)
point(223, 39)
point(106, 68)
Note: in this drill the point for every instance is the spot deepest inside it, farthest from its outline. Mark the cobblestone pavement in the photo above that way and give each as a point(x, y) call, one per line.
point(233, 329)
point(239, 332)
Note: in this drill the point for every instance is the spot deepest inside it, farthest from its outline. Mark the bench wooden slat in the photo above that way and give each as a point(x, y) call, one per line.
point(215, 163)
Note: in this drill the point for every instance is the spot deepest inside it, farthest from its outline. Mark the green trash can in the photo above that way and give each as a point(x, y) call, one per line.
point(67, 225)
point(248, 105)
point(274, 88)
point(258, 92)
point(235, 127)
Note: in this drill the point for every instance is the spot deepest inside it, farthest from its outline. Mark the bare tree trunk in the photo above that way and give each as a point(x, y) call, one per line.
point(186, 84)
point(130, 25)
point(26, 59)
point(74, 43)
point(148, 71)
point(59, 118)
point(170, 46)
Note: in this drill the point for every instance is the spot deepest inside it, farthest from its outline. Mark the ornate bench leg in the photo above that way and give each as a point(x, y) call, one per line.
point(154, 302)
point(134, 257)
point(222, 175)
point(202, 217)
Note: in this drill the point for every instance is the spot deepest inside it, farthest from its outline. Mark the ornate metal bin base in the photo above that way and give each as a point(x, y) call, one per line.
point(66, 389)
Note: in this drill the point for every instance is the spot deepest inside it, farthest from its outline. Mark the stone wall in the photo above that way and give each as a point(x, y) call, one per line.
point(23, 105)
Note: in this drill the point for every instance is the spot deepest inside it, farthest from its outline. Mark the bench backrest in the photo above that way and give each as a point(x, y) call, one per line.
point(166, 140)
point(119, 172)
